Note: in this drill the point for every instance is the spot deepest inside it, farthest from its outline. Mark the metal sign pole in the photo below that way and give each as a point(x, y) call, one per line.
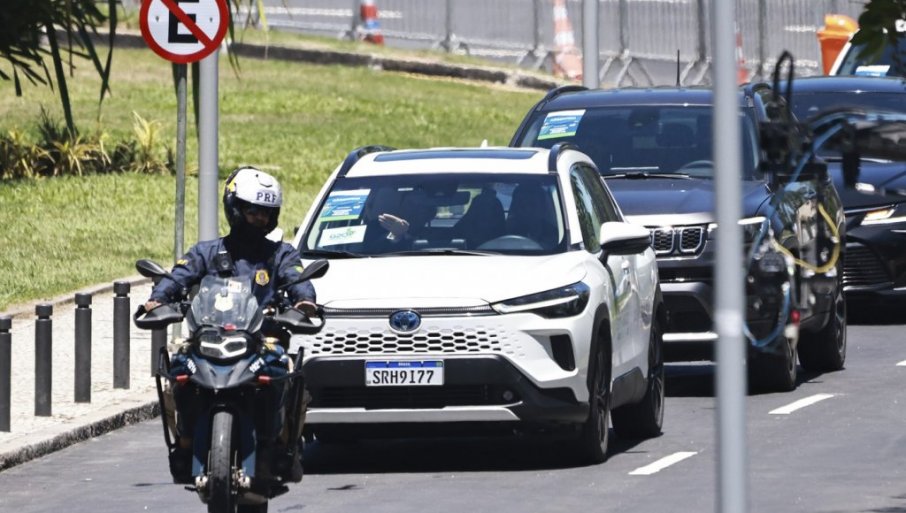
point(179, 232)
point(207, 147)
point(729, 293)
point(590, 44)
point(180, 72)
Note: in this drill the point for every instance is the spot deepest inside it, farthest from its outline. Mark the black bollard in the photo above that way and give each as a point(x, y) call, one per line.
point(83, 348)
point(43, 359)
point(121, 334)
point(6, 324)
point(158, 340)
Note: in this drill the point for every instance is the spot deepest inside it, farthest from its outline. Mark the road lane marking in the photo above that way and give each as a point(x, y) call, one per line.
point(662, 463)
point(902, 364)
point(801, 403)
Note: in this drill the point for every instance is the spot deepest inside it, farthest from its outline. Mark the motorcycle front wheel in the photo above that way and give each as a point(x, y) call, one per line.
point(222, 496)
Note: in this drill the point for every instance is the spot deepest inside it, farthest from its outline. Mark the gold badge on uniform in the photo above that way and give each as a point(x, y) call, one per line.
point(261, 277)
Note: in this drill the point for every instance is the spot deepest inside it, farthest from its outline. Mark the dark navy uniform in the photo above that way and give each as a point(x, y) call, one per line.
point(271, 265)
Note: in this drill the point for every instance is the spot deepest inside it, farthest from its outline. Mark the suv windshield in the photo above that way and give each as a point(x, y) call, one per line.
point(641, 140)
point(885, 66)
point(437, 213)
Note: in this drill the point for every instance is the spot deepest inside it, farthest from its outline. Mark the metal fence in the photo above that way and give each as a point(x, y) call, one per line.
point(639, 39)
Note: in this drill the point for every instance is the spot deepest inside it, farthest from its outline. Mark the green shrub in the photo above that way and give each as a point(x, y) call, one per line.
point(58, 152)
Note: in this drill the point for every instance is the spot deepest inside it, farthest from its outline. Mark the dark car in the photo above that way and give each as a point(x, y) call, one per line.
point(890, 63)
point(875, 267)
point(654, 148)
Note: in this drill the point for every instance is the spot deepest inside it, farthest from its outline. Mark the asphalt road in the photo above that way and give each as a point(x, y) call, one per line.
point(836, 444)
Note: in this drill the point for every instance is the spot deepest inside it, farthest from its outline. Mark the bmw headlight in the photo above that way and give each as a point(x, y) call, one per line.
point(561, 302)
point(215, 345)
point(885, 215)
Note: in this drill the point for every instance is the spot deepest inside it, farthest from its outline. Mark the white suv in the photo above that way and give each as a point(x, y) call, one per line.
point(481, 287)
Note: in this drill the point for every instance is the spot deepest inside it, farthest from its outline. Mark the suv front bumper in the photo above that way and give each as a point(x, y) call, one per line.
point(480, 388)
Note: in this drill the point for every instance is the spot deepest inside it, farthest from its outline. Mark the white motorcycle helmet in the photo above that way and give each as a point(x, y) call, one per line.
point(250, 186)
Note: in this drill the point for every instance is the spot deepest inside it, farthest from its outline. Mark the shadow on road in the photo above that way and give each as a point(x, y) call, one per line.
point(472, 454)
point(876, 312)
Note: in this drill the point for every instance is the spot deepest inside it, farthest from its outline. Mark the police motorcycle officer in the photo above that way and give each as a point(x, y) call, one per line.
point(251, 201)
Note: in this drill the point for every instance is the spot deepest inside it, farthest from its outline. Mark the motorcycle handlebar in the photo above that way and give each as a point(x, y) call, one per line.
point(156, 318)
point(298, 323)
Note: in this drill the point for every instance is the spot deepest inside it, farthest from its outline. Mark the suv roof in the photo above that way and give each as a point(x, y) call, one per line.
point(381, 160)
point(852, 83)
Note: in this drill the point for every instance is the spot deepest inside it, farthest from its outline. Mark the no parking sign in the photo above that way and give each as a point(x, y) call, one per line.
point(184, 31)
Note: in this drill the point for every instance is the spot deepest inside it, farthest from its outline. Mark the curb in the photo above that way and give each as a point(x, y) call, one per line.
point(28, 309)
point(326, 56)
point(80, 434)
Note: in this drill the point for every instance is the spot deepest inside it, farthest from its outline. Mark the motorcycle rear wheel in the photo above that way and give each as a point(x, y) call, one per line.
point(222, 496)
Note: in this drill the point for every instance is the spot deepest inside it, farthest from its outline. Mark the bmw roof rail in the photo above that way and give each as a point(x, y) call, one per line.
point(554, 155)
point(358, 153)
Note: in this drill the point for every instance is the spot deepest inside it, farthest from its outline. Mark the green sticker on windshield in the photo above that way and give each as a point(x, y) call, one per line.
point(563, 123)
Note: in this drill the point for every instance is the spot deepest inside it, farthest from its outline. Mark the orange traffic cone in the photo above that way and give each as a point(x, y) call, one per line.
point(567, 58)
point(742, 74)
point(370, 28)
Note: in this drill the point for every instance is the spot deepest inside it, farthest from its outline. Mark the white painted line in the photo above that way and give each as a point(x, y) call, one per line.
point(902, 364)
point(662, 463)
point(801, 403)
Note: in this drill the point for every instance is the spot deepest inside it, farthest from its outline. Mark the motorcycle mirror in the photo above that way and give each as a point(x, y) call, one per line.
point(316, 269)
point(151, 269)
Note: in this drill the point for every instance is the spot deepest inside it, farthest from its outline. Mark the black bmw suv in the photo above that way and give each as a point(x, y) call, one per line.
point(653, 146)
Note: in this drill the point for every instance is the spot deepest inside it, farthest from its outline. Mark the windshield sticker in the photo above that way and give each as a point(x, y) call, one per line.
point(560, 124)
point(875, 70)
point(344, 205)
point(342, 235)
point(234, 287)
point(223, 303)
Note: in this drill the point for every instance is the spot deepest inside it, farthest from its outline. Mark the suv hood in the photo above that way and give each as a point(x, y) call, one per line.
point(693, 199)
point(443, 280)
point(881, 175)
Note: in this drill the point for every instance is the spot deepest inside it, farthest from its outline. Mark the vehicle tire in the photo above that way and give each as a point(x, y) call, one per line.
point(222, 497)
point(252, 508)
point(825, 350)
point(775, 373)
point(594, 433)
point(645, 418)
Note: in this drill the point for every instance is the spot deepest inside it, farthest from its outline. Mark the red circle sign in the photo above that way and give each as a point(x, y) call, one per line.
point(184, 31)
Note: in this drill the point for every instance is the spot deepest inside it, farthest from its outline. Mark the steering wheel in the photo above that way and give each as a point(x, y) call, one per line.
point(697, 164)
point(510, 242)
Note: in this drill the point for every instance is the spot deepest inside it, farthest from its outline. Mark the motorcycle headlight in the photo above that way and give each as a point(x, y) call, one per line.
point(561, 302)
point(215, 345)
point(886, 215)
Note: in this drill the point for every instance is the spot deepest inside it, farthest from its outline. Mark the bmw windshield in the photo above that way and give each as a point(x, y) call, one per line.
point(642, 141)
point(438, 213)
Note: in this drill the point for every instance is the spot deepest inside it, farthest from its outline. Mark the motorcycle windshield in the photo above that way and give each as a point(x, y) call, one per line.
point(226, 303)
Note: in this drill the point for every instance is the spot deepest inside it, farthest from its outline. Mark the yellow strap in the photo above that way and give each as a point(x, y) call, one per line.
point(835, 254)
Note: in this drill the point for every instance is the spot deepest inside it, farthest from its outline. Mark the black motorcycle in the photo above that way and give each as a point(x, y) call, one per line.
point(238, 385)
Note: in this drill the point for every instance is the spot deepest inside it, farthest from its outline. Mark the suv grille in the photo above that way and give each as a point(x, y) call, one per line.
point(862, 268)
point(380, 341)
point(408, 397)
point(682, 240)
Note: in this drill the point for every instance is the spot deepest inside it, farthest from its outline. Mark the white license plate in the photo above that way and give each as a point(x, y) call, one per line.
point(404, 373)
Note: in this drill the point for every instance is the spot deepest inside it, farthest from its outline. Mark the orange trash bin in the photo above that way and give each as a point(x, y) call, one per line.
point(837, 30)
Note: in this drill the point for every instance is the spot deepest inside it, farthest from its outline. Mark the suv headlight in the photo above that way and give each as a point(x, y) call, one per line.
point(750, 227)
point(561, 302)
point(214, 345)
point(884, 215)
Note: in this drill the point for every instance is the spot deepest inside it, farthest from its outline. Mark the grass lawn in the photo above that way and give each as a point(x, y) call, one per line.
point(297, 121)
